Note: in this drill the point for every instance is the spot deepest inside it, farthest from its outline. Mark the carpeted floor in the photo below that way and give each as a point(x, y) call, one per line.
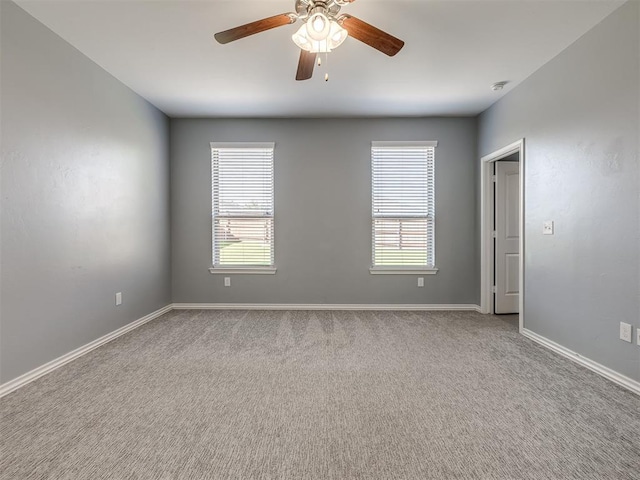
point(321, 395)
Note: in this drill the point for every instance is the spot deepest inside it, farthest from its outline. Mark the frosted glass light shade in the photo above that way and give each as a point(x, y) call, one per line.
point(337, 35)
point(318, 27)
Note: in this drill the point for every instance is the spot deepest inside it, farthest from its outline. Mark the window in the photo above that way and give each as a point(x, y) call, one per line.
point(242, 207)
point(403, 207)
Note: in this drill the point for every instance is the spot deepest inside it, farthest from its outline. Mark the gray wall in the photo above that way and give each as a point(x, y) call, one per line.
point(323, 212)
point(579, 115)
point(85, 206)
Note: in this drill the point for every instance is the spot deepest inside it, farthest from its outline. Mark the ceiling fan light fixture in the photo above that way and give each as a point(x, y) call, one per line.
point(336, 36)
point(323, 29)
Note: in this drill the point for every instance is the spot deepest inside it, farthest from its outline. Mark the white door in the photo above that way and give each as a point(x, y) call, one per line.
point(507, 219)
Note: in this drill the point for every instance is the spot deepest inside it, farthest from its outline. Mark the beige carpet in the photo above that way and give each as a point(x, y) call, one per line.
point(321, 395)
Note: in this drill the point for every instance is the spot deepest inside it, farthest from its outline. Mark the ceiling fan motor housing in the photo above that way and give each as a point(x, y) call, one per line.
point(330, 8)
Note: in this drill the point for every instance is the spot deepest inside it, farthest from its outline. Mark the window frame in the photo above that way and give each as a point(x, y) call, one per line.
point(430, 269)
point(240, 269)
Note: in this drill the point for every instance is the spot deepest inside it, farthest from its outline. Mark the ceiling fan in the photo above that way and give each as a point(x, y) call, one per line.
point(323, 29)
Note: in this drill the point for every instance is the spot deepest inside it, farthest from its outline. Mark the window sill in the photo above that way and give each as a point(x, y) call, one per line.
point(403, 270)
point(242, 270)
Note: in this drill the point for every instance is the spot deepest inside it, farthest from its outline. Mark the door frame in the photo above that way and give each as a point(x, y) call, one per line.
point(487, 250)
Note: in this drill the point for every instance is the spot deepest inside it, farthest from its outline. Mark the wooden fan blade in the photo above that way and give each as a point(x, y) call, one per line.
point(254, 27)
point(305, 65)
point(372, 36)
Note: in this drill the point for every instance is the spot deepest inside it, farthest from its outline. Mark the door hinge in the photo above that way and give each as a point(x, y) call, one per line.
point(494, 234)
point(494, 178)
point(494, 289)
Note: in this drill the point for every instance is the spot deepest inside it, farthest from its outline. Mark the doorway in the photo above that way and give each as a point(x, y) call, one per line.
point(502, 231)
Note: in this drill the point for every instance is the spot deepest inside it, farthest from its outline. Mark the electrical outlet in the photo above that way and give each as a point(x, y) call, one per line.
point(625, 332)
point(547, 227)
point(227, 281)
point(118, 298)
point(421, 281)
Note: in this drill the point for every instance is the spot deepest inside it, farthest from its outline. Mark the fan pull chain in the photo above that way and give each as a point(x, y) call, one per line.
point(326, 62)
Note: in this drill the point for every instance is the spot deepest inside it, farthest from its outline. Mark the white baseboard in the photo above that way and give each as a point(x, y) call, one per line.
point(28, 377)
point(323, 306)
point(606, 372)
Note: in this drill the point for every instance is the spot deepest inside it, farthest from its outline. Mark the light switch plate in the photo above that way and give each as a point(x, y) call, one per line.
point(227, 281)
point(118, 298)
point(421, 281)
point(547, 227)
point(638, 336)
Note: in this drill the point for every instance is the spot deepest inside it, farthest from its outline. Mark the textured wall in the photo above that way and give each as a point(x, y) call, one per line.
point(579, 115)
point(323, 212)
point(85, 206)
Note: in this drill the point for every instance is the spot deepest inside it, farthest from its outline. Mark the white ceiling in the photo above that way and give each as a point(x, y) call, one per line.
point(165, 51)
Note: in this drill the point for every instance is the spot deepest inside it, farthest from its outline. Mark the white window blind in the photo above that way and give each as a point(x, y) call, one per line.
point(403, 205)
point(242, 204)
